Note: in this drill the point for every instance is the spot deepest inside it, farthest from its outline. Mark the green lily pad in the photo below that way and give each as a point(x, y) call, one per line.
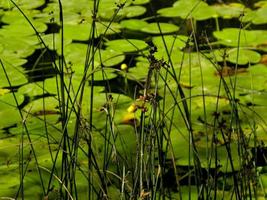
point(9, 113)
point(171, 41)
point(50, 14)
point(109, 57)
point(13, 57)
point(15, 16)
point(18, 47)
point(16, 75)
point(132, 11)
point(37, 107)
point(256, 16)
point(164, 28)
point(140, 2)
point(32, 89)
point(77, 31)
point(196, 9)
point(23, 28)
point(228, 11)
point(110, 9)
point(243, 56)
point(133, 24)
point(240, 56)
point(262, 3)
point(53, 41)
point(75, 55)
point(230, 37)
point(102, 74)
point(140, 71)
point(7, 101)
point(74, 12)
point(256, 80)
point(124, 45)
point(176, 55)
point(28, 4)
point(107, 28)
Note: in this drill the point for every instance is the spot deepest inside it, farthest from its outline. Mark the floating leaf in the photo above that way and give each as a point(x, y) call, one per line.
point(23, 28)
point(77, 32)
point(9, 114)
point(39, 106)
point(171, 41)
point(196, 9)
point(240, 37)
point(53, 41)
point(157, 28)
point(243, 56)
point(15, 16)
point(17, 48)
point(75, 55)
point(262, 3)
point(133, 24)
point(109, 57)
point(129, 45)
point(140, 2)
point(256, 16)
point(132, 11)
point(240, 56)
point(139, 72)
point(228, 11)
point(32, 89)
point(28, 4)
point(107, 28)
point(103, 74)
point(16, 76)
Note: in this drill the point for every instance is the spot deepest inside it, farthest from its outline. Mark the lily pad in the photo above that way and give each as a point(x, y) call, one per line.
point(75, 55)
point(262, 3)
point(132, 11)
point(240, 37)
point(23, 28)
point(228, 11)
point(28, 4)
point(256, 16)
point(77, 31)
point(140, 71)
point(157, 28)
point(15, 16)
point(9, 113)
point(196, 9)
point(124, 45)
point(32, 89)
point(107, 28)
point(109, 57)
point(16, 75)
point(37, 106)
point(15, 47)
point(243, 56)
point(53, 41)
point(102, 74)
point(240, 56)
point(171, 41)
point(140, 2)
point(133, 24)
point(7, 101)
